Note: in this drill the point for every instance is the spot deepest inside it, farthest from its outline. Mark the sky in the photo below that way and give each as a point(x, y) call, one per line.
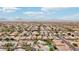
point(39, 13)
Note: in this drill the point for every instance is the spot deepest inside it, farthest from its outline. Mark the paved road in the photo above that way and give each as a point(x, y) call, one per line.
point(68, 43)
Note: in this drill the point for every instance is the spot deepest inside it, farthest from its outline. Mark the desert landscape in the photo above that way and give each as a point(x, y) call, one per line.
point(39, 36)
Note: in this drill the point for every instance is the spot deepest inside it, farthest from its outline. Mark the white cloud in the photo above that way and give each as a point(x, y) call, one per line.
point(45, 12)
point(34, 14)
point(74, 16)
point(46, 8)
point(8, 9)
point(40, 14)
point(50, 10)
point(31, 13)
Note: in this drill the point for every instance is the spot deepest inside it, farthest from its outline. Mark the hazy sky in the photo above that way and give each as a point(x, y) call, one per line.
point(38, 13)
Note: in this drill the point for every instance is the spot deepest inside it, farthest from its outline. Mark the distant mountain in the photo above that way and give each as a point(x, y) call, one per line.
point(40, 20)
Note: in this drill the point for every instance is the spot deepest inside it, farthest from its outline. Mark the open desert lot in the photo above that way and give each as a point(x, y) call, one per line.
point(39, 36)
